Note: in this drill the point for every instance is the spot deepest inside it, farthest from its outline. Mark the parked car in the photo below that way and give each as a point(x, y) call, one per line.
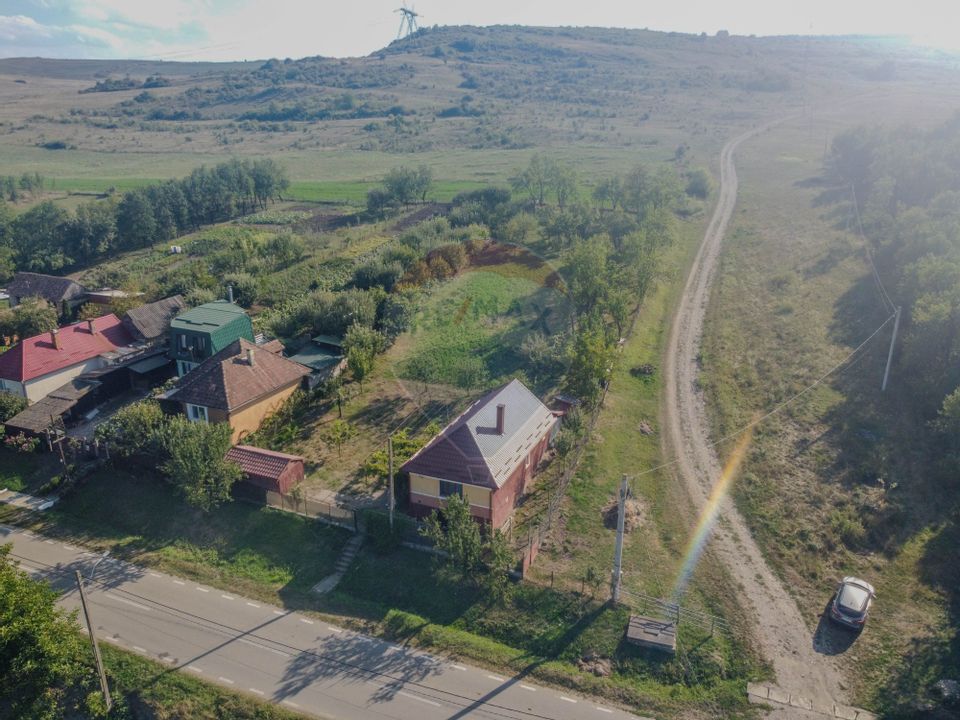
point(851, 604)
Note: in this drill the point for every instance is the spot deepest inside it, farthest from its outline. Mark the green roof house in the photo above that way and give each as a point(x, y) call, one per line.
point(204, 331)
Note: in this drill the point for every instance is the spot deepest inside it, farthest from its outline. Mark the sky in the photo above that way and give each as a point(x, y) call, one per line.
point(260, 29)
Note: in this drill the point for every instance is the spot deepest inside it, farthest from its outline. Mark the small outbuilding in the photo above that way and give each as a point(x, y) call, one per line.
point(267, 469)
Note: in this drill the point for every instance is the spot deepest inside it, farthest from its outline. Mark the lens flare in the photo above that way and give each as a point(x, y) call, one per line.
point(708, 517)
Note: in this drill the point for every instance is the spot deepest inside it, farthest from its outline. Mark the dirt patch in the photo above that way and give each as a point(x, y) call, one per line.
point(634, 513)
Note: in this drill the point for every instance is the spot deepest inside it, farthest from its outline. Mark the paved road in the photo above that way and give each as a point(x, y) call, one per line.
point(291, 659)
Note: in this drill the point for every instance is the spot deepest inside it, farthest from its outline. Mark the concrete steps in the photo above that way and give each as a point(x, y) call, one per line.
point(343, 564)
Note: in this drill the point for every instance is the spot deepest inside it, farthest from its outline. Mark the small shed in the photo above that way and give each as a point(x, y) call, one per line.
point(267, 469)
point(652, 633)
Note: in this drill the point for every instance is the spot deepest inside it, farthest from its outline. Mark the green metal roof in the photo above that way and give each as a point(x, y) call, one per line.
point(328, 340)
point(316, 357)
point(207, 317)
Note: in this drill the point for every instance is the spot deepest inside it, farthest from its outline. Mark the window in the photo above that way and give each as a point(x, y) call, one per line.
point(450, 488)
point(196, 413)
point(183, 367)
point(182, 342)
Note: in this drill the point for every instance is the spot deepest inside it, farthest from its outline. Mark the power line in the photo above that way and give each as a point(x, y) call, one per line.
point(350, 668)
point(888, 303)
point(781, 406)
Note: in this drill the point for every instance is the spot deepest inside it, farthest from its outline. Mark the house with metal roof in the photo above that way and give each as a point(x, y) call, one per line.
point(38, 365)
point(151, 322)
point(63, 293)
point(324, 356)
point(205, 330)
point(241, 385)
point(487, 456)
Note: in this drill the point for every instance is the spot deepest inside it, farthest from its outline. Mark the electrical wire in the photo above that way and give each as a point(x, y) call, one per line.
point(885, 296)
point(783, 405)
point(350, 668)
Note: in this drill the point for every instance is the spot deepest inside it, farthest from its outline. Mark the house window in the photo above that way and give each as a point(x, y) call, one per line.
point(450, 488)
point(183, 367)
point(182, 342)
point(197, 413)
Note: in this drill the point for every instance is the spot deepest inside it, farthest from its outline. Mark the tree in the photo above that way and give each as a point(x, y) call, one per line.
point(590, 359)
point(562, 179)
point(589, 273)
point(699, 184)
point(361, 344)
point(136, 221)
point(32, 316)
point(338, 433)
point(135, 429)
point(42, 673)
point(38, 238)
point(195, 460)
point(454, 531)
point(534, 180)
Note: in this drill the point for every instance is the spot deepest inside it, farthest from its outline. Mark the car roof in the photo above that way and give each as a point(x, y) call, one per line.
point(854, 595)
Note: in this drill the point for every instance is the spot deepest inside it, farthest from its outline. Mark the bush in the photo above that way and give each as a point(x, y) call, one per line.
point(11, 405)
point(245, 290)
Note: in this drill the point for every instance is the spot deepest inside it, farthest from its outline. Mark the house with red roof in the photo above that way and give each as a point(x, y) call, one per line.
point(487, 456)
point(267, 469)
point(38, 365)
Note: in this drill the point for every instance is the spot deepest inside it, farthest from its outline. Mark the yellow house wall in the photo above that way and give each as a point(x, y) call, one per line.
point(430, 487)
point(248, 419)
point(40, 387)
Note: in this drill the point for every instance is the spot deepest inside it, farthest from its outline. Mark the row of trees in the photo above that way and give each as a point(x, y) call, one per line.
point(48, 238)
point(402, 186)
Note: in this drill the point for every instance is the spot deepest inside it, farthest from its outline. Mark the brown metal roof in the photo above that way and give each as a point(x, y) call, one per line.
point(471, 451)
point(257, 462)
point(228, 381)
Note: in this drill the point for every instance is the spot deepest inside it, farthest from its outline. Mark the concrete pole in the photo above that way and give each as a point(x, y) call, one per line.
point(893, 340)
point(391, 498)
point(96, 648)
point(618, 552)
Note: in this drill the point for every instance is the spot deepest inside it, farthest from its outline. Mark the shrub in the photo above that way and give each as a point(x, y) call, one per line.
point(10, 405)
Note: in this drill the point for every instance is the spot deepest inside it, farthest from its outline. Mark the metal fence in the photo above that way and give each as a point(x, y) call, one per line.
point(674, 612)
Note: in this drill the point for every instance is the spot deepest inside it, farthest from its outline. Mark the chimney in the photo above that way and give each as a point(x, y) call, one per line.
point(250, 360)
point(91, 327)
point(55, 338)
point(501, 417)
point(230, 296)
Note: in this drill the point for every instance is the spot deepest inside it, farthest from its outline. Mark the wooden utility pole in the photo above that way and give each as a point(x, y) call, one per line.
point(618, 552)
point(96, 648)
point(893, 340)
point(391, 498)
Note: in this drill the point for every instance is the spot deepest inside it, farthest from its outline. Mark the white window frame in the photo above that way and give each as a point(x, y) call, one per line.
point(197, 413)
point(185, 366)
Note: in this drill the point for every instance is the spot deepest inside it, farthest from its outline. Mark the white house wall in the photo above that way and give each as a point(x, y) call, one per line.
point(40, 387)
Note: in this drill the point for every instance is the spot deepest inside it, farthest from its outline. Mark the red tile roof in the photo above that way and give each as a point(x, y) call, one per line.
point(257, 462)
point(37, 356)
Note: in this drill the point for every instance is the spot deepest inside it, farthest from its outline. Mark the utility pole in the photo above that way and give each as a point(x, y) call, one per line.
point(618, 552)
point(96, 648)
point(893, 340)
point(391, 498)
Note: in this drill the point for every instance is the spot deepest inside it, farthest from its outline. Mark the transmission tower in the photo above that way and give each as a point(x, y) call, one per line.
point(408, 22)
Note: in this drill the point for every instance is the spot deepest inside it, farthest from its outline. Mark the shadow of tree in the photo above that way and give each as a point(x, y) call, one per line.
point(358, 659)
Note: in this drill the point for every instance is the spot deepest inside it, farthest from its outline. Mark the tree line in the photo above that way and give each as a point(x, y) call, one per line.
point(48, 238)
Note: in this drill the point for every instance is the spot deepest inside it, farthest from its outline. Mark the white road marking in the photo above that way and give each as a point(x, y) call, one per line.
point(49, 542)
point(528, 687)
point(308, 622)
point(606, 710)
point(201, 589)
point(256, 692)
point(194, 668)
point(27, 533)
point(69, 547)
point(417, 697)
point(253, 604)
point(84, 631)
point(155, 575)
point(458, 667)
point(331, 628)
point(114, 640)
point(497, 678)
point(139, 649)
point(179, 582)
point(168, 659)
point(228, 681)
point(226, 597)
point(279, 612)
point(566, 699)
point(128, 602)
point(291, 703)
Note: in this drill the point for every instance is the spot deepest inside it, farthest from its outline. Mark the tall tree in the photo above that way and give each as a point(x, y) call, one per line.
point(195, 460)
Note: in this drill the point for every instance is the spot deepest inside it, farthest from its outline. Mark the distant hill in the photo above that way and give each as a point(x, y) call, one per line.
point(452, 87)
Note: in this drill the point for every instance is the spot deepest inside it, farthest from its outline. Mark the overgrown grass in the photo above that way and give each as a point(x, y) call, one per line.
point(257, 551)
point(24, 472)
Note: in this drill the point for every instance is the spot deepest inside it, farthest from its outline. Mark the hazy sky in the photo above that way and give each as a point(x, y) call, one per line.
point(255, 29)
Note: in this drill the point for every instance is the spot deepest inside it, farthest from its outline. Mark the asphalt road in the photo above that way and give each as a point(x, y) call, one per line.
point(294, 660)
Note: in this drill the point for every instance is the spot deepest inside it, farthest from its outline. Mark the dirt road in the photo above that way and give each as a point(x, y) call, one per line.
point(784, 637)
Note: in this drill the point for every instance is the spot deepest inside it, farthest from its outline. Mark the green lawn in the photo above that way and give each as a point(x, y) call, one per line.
point(256, 551)
point(25, 472)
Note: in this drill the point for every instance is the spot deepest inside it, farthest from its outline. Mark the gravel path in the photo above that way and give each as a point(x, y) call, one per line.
point(784, 638)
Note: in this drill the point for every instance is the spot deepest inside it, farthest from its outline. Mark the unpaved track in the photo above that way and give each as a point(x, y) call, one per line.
point(784, 638)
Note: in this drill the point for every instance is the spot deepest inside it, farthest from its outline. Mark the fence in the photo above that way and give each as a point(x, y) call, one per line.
point(308, 507)
point(657, 607)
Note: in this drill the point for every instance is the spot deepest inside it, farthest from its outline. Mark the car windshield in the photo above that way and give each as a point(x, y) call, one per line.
point(853, 598)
